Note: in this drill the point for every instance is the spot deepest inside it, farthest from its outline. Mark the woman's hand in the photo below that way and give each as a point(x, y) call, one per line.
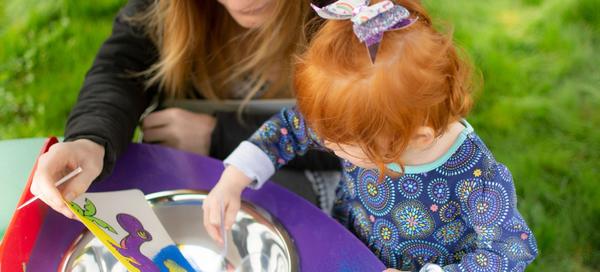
point(226, 194)
point(179, 129)
point(61, 159)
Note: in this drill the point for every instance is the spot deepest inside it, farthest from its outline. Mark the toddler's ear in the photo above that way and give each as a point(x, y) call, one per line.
point(423, 137)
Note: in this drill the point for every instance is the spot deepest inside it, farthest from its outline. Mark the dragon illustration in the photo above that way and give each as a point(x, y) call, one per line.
point(130, 245)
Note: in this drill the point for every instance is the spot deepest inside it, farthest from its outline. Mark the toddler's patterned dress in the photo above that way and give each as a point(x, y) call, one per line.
point(458, 212)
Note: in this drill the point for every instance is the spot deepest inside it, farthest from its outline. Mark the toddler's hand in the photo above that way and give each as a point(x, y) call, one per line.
point(227, 194)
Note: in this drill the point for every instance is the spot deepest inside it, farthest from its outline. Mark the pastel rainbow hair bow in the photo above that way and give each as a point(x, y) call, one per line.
point(369, 22)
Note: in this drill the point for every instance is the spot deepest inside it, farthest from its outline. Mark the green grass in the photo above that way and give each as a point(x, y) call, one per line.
point(47, 46)
point(539, 109)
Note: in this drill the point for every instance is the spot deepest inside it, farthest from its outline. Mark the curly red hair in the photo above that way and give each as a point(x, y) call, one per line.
point(418, 79)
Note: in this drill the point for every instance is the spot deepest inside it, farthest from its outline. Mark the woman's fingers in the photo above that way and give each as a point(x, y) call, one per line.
point(77, 186)
point(165, 135)
point(157, 119)
point(60, 160)
point(43, 186)
point(156, 135)
point(49, 168)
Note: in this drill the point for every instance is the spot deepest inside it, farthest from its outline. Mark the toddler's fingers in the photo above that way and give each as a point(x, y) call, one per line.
point(210, 212)
point(231, 213)
point(205, 216)
point(214, 229)
point(214, 216)
point(215, 234)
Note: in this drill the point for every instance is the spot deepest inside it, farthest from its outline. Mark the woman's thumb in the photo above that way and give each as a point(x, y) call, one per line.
point(78, 185)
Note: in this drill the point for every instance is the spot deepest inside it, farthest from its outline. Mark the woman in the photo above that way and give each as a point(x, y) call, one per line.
point(210, 50)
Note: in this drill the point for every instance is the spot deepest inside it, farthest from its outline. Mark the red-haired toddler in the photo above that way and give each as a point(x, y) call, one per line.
point(388, 94)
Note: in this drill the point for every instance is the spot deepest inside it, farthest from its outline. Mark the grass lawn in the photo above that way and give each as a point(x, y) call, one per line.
point(539, 110)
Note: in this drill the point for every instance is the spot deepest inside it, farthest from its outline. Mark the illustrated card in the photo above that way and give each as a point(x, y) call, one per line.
point(126, 224)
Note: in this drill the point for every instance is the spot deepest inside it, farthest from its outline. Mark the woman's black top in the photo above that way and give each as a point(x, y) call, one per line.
point(111, 100)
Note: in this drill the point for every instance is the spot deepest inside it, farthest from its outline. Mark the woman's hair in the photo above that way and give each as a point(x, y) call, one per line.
point(418, 79)
point(201, 47)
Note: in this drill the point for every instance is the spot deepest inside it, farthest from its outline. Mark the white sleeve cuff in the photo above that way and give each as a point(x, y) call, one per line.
point(430, 267)
point(253, 162)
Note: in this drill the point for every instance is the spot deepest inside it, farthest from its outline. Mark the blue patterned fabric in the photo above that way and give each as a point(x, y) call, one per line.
point(461, 215)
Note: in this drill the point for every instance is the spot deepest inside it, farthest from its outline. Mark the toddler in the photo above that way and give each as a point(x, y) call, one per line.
point(388, 94)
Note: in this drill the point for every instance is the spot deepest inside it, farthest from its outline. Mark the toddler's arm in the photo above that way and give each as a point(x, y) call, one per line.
point(503, 242)
point(225, 195)
point(272, 146)
point(277, 142)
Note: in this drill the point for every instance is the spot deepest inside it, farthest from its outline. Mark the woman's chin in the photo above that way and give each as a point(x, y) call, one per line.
point(249, 22)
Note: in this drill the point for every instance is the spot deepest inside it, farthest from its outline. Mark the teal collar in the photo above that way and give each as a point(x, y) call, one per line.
point(415, 169)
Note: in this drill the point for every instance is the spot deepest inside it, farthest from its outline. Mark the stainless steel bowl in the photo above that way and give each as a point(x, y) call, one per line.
point(256, 243)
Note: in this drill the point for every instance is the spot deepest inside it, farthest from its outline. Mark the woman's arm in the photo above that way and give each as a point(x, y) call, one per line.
point(102, 121)
point(112, 99)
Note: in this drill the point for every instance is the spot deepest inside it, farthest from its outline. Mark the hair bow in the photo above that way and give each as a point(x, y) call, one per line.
point(369, 22)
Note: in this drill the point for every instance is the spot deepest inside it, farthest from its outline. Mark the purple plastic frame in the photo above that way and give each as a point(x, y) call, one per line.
point(322, 244)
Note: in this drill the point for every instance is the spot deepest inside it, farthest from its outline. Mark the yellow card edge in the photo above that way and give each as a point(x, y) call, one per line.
point(105, 239)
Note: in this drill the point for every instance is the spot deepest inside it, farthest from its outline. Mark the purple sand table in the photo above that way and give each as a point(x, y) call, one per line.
point(322, 244)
